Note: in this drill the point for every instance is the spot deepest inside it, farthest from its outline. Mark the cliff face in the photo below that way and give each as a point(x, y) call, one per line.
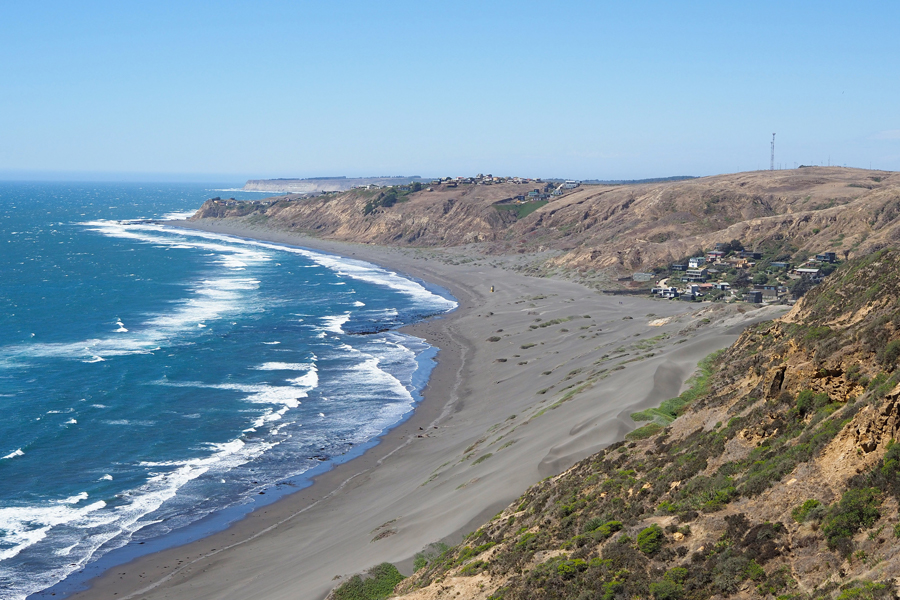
point(445, 217)
point(780, 480)
point(616, 228)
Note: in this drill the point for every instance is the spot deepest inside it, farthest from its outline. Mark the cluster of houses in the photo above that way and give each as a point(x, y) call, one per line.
point(481, 179)
point(695, 275)
point(535, 195)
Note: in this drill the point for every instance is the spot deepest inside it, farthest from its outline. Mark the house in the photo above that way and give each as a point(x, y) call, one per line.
point(770, 292)
point(722, 285)
point(737, 263)
point(571, 185)
point(722, 245)
point(809, 273)
point(780, 265)
point(714, 255)
point(665, 292)
point(829, 257)
point(642, 276)
point(679, 267)
point(696, 262)
point(754, 296)
point(695, 275)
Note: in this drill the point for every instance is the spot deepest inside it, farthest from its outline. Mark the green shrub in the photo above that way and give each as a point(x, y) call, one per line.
point(473, 568)
point(429, 554)
point(481, 459)
point(809, 402)
point(644, 432)
point(754, 571)
point(569, 568)
point(666, 590)
point(651, 539)
point(889, 355)
point(676, 575)
point(864, 590)
point(611, 589)
point(890, 465)
point(800, 513)
point(378, 583)
point(858, 508)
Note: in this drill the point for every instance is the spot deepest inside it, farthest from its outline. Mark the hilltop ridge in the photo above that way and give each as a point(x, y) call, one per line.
point(614, 229)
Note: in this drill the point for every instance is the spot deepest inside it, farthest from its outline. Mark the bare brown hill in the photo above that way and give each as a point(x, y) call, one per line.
point(618, 228)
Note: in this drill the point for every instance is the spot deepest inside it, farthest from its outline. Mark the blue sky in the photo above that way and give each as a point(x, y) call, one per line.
point(608, 90)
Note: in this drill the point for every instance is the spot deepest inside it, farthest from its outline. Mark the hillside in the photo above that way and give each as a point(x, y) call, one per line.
point(781, 479)
point(614, 228)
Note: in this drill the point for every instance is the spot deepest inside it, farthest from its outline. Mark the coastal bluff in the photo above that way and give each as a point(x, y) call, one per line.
point(613, 229)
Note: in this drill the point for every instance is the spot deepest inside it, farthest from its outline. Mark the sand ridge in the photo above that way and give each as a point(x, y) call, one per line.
point(531, 378)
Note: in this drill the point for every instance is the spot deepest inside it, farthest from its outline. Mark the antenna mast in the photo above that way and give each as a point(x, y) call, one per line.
point(772, 160)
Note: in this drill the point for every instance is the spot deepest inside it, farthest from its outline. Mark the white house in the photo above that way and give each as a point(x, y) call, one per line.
point(696, 262)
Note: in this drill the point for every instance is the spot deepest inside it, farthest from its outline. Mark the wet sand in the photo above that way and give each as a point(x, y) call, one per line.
point(511, 401)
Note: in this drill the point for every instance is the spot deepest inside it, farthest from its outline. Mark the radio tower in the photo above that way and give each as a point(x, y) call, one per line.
point(772, 160)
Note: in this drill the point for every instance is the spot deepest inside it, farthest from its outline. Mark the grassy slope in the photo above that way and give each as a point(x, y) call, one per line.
point(764, 487)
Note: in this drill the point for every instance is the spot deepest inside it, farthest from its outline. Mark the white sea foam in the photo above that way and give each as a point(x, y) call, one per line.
point(178, 216)
point(358, 303)
point(13, 454)
point(333, 323)
point(74, 499)
point(284, 366)
point(348, 267)
point(288, 396)
point(27, 525)
point(106, 477)
point(85, 529)
point(309, 381)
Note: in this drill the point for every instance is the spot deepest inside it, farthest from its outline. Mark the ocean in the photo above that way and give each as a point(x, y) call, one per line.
point(151, 377)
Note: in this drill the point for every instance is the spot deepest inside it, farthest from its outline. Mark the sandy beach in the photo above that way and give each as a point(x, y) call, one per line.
point(532, 377)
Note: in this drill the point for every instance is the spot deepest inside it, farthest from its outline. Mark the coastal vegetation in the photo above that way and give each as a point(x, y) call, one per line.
point(669, 410)
point(376, 584)
point(774, 476)
point(523, 209)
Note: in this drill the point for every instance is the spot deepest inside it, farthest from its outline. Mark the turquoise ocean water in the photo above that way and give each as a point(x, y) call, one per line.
point(150, 376)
